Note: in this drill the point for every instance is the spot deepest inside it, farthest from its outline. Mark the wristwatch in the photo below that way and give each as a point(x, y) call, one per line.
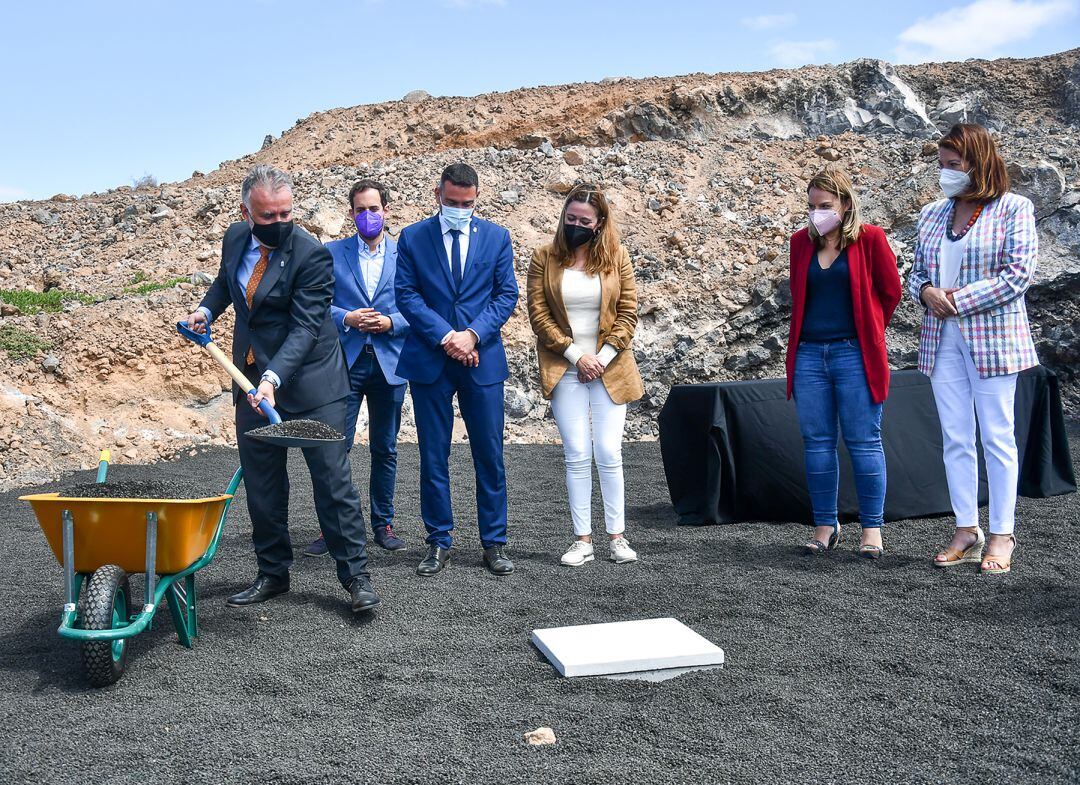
point(268, 377)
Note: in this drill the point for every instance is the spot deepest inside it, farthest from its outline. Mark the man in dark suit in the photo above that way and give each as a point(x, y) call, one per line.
point(279, 280)
point(372, 332)
point(455, 285)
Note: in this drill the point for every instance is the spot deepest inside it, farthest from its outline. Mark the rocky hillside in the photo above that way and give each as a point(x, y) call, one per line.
point(707, 173)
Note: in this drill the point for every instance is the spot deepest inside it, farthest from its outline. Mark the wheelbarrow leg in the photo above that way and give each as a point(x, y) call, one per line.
point(151, 563)
point(69, 561)
point(193, 611)
point(181, 601)
point(72, 581)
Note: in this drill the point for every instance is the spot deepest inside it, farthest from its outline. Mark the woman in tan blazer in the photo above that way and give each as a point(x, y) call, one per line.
point(583, 309)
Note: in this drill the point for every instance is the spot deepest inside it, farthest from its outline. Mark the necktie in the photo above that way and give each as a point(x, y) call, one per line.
point(455, 257)
point(252, 285)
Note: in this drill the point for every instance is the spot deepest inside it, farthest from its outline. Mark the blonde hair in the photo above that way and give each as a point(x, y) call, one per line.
point(604, 247)
point(835, 181)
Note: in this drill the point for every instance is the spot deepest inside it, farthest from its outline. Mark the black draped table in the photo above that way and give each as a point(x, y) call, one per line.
point(733, 452)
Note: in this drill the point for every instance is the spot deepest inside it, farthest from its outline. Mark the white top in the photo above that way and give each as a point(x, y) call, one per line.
point(952, 259)
point(581, 299)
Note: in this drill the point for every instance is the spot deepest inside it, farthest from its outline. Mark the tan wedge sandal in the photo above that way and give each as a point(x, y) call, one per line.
point(973, 553)
point(1004, 563)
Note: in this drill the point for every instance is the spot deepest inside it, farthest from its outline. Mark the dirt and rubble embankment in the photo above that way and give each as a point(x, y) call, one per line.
point(706, 172)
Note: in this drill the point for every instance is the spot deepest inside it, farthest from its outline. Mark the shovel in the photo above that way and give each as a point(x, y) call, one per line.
point(205, 341)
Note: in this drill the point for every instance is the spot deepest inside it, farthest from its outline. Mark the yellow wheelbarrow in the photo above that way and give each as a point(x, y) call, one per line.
point(104, 540)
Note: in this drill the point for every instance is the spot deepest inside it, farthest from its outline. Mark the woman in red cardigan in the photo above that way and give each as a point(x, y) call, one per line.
point(844, 288)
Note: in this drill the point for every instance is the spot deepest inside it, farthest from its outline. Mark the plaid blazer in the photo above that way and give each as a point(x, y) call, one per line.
point(998, 267)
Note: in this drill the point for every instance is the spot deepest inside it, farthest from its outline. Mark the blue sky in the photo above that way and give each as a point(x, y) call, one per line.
point(97, 94)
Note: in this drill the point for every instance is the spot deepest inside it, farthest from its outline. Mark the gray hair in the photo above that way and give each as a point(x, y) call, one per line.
point(266, 177)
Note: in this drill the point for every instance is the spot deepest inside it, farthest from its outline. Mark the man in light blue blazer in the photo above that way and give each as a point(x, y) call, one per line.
point(455, 284)
point(372, 332)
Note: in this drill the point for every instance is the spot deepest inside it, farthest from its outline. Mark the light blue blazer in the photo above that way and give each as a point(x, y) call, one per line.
point(350, 293)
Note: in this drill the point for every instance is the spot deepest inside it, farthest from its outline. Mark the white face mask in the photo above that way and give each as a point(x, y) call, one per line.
point(824, 221)
point(953, 183)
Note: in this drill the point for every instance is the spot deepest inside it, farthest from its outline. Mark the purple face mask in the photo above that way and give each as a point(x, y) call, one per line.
point(369, 224)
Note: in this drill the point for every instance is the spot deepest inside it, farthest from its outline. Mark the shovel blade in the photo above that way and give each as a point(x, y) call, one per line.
point(294, 441)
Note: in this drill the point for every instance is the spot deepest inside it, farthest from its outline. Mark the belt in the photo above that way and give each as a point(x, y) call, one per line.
point(368, 348)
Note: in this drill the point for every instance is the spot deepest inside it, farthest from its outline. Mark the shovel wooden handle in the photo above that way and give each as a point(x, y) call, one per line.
point(204, 340)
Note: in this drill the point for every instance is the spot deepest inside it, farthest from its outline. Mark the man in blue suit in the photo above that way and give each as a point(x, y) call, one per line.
point(372, 332)
point(455, 285)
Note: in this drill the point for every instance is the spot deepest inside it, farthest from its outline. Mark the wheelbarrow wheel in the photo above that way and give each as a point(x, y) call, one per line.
point(105, 607)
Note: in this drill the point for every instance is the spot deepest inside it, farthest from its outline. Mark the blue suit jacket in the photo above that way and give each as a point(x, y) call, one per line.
point(350, 293)
point(427, 296)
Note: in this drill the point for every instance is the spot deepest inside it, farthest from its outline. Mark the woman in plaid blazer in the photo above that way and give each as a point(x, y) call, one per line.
point(974, 260)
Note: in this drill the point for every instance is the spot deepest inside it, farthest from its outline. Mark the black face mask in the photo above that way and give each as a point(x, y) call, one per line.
point(272, 235)
point(577, 235)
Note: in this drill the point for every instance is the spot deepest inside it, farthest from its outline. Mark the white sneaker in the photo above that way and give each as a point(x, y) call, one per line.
point(579, 553)
point(621, 552)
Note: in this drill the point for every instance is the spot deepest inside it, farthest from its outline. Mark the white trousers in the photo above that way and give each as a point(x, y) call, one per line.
point(960, 394)
point(591, 425)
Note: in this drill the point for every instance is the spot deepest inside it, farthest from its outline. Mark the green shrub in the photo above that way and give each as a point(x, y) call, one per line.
point(30, 302)
point(21, 345)
point(147, 288)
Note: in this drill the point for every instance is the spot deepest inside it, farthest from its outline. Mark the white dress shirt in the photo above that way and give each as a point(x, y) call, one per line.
point(371, 264)
point(463, 245)
point(371, 267)
point(448, 243)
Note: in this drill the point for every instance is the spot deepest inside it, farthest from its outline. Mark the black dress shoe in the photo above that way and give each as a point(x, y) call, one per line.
point(384, 537)
point(436, 559)
point(497, 562)
point(363, 594)
point(264, 587)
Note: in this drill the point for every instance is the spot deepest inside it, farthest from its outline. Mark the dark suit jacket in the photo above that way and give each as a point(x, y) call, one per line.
point(426, 295)
point(288, 326)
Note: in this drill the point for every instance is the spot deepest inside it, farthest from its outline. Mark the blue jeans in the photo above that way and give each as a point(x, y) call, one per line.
point(830, 389)
point(384, 400)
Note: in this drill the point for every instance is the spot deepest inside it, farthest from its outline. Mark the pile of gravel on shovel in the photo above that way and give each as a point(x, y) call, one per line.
point(299, 429)
point(135, 489)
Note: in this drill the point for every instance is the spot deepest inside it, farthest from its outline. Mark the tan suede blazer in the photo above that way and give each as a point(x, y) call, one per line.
point(618, 318)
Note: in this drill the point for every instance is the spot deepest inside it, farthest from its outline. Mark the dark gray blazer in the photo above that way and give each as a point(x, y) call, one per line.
point(288, 326)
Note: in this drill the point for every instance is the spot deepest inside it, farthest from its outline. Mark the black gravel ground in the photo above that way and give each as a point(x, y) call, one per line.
point(839, 669)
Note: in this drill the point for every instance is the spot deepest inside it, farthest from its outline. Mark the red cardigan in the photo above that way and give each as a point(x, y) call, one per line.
point(875, 293)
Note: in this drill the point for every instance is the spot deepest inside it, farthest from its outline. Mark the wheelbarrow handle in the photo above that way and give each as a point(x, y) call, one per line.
point(236, 374)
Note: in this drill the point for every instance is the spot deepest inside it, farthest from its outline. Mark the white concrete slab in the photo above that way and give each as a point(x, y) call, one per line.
point(625, 647)
point(660, 675)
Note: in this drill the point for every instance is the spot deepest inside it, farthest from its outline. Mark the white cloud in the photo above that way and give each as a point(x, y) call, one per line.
point(11, 194)
point(978, 29)
point(768, 21)
point(793, 53)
